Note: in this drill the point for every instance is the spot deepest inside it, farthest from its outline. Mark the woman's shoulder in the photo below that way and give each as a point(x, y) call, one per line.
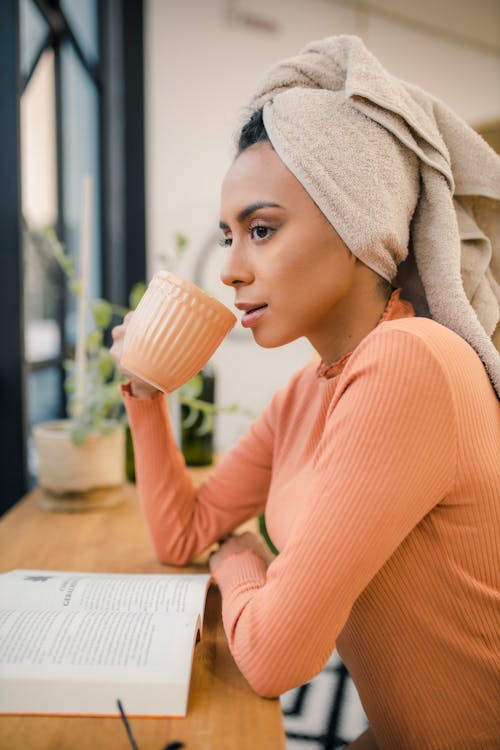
point(416, 346)
point(419, 326)
point(418, 333)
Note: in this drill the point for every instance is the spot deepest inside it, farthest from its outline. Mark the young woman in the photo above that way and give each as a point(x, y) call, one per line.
point(378, 469)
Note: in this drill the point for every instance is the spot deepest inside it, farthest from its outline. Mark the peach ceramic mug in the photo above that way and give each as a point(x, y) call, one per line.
point(173, 332)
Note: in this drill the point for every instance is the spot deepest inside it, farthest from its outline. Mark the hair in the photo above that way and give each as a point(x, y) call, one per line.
point(385, 287)
point(253, 131)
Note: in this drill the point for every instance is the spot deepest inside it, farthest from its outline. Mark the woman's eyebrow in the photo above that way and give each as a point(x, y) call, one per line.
point(245, 212)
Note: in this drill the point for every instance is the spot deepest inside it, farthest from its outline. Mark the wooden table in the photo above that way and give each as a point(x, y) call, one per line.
point(224, 713)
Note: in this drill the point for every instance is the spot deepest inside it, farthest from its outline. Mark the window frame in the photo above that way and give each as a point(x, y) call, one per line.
point(119, 76)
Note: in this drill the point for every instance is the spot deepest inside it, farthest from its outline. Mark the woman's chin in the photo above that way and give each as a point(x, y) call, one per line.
point(272, 341)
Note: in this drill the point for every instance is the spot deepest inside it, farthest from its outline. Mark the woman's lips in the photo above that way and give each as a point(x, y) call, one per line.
point(252, 315)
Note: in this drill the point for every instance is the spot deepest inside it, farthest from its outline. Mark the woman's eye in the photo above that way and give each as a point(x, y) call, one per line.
point(225, 241)
point(261, 232)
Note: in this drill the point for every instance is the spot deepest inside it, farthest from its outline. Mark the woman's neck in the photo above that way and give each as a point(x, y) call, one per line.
point(353, 318)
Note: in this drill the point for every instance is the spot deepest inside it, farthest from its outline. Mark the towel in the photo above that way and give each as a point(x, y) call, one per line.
point(412, 190)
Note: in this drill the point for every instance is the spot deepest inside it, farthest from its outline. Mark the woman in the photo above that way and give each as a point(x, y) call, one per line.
point(378, 469)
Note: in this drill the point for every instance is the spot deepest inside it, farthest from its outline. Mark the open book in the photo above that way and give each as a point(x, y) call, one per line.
point(76, 643)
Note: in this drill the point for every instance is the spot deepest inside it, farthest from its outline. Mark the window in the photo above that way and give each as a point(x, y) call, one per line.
point(72, 101)
point(60, 102)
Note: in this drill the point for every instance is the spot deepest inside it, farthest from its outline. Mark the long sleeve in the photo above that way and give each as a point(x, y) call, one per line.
point(381, 485)
point(386, 457)
point(183, 521)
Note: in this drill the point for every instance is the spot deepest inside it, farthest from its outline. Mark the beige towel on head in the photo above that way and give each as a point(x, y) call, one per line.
point(412, 190)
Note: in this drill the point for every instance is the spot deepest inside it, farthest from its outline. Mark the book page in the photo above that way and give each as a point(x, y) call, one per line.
point(96, 639)
point(45, 589)
point(69, 661)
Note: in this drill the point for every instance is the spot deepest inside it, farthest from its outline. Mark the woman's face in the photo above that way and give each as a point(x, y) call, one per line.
point(291, 273)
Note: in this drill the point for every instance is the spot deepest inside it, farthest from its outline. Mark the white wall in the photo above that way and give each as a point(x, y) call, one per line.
point(200, 69)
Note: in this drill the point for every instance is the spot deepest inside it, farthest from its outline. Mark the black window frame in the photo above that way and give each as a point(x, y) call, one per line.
point(123, 233)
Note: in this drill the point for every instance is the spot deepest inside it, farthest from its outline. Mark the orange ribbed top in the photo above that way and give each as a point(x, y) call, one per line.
point(380, 479)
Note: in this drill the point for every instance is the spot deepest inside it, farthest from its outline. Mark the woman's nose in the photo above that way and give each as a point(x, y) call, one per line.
point(236, 270)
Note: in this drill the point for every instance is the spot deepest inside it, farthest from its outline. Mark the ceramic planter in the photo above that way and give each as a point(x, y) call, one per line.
point(65, 468)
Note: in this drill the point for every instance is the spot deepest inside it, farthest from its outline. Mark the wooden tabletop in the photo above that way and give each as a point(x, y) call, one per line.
point(224, 713)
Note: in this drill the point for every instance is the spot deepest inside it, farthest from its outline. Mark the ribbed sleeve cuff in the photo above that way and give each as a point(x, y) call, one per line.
point(147, 412)
point(242, 571)
point(155, 445)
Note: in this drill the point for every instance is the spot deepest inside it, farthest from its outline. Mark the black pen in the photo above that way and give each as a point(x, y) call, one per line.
point(127, 725)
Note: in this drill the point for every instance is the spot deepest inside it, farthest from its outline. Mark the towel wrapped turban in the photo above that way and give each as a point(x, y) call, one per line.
point(412, 190)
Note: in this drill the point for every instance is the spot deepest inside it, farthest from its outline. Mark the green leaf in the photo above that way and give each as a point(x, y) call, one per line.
point(102, 311)
point(57, 250)
point(79, 434)
point(207, 424)
point(181, 243)
point(106, 366)
point(136, 294)
point(264, 533)
point(94, 341)
point(192, 389)
point(119, 310)
point(190, 418)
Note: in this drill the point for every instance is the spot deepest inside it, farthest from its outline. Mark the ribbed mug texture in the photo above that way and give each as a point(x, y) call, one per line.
point(174, 331)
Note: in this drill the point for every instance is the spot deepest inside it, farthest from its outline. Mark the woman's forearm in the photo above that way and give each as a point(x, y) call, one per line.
point(184, 520)
point(165, 489)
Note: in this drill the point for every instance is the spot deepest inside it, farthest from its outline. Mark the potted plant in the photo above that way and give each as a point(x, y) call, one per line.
point(82, 457)
point(90, 452)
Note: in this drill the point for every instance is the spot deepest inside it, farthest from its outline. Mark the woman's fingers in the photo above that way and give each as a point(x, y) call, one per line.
point(139, 388)
point(118, 332)
point(236, 543)
point(117, 345)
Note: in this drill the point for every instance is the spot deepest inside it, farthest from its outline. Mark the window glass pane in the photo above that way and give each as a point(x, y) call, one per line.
point(44, 395)
point(38, 146)
point(82, 18)
point(44, 404)
point(80, 148)
point(34, 30)
point(42, 298)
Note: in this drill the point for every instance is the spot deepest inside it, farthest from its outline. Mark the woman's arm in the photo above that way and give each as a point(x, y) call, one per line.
point(184, 521)
point(379, 468)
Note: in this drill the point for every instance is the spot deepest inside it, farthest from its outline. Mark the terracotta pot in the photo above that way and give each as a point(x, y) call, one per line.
point(64, 467)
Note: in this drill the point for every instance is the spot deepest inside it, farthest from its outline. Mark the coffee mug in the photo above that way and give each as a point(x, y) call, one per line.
point(173, 332)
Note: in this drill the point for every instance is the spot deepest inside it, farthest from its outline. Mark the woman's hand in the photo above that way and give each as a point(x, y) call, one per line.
point(139, 388)
point(236, 543)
